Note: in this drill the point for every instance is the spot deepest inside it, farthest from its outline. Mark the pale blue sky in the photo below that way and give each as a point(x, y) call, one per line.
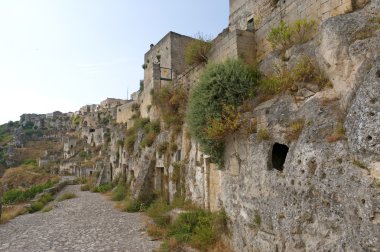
point(62, 54)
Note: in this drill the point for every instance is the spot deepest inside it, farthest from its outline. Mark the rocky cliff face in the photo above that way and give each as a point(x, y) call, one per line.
point(307, 179)
point(325, 197)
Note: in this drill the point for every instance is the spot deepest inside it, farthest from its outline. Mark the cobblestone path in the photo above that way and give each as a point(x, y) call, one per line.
point(86, 223)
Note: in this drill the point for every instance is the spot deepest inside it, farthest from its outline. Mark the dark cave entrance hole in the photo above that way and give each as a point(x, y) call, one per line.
point(279, 153)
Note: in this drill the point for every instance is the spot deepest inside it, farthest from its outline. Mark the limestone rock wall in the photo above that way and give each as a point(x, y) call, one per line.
point(303, 191)
point(268, 13)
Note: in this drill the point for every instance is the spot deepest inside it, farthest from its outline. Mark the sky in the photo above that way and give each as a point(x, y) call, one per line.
point(63, 54)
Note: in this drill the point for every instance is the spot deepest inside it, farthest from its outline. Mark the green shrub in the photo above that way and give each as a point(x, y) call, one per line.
point(271, 85)
point(225, 84)
point(196, 51)
point(148, 139)
point(134, 206)
point(16, 195)
point(35, 207)
point(281, 36)
point(120, 192)
point(30, 162)
point(198, 228)
point(303, 30)
point(285, 36)
point(38, 205)
point(151, 129)
point(162, 148)
point(307, 70)
point(130, 139)
point(158, 211)
point(102, 188)
point(219, 128)
point(67, 196)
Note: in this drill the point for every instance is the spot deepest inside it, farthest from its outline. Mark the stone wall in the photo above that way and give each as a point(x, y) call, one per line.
point(235, 44)
point(267, 14)
point(125, 113)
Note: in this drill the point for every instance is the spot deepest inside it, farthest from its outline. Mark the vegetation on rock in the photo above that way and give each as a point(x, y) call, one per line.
point(67, 196)
point(285, 36)
point(220, 86)
point(283, 79)
point(18, 195)
point(196, 51)
point(172, 103)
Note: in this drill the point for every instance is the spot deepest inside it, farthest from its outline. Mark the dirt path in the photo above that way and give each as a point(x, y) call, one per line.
point(86, 223)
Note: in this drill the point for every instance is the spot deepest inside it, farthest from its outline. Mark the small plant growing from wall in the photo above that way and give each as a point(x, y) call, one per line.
point(295, 129)
point(280, 37)
point(303, 30)
point(196, 51)
point(284, 36)
point(172, 103)
point(306, 70)
point(224, 85)
point(263, 134)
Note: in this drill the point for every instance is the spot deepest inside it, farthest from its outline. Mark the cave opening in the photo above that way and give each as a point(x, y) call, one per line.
point(279, 153)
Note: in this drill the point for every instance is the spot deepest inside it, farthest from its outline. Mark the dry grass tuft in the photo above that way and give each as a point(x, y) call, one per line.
point(156, 231)
point(25, 176)
point(11, 212)
point(263, 134)
point(295, 129)
point(67, 196)
point(339, 133)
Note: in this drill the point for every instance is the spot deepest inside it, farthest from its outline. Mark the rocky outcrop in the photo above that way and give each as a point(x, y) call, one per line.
point(326, 196)
point(349, 46)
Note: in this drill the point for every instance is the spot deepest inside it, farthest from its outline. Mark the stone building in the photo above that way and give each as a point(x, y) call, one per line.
point(88, 109)
point(69, 144)
point(111, 103)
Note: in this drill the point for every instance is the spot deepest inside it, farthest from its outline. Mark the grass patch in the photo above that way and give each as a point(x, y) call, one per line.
point(120, 192)
point(155, 231)
point(306, 70)
point(103, 188)
point(158, 211)
point(26, 175)
point(85, 187)
point(263, 134)
point(129, 205)
point(11, 212)
point(47, 208)
point(199, 228)
point(17, 195)
point(172, 104)
point(195, 227)
point(67, 196)
point(284, 36)
point(39, 204)
point(295, 129)
point(281, 36)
